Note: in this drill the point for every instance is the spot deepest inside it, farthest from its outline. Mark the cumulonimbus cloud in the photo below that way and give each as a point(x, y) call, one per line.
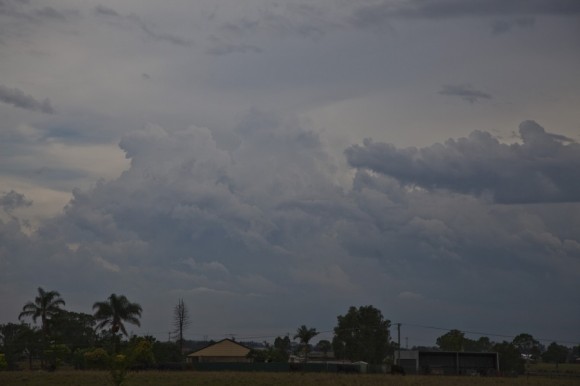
point(265, 220)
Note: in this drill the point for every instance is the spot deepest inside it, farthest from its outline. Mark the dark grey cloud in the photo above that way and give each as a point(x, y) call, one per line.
point(20, 19)
point(220, 47)
point(147, 28)
point(304, 20)
point(264, 226)
point(457, 8)
point(50, 13)
point(545, 167)
point(499, 27)
point(167, 37)
point(13, 200)
point(467, 93)
point(380, 12)
point(105, 11)
point(17, 98)
point(30, 11)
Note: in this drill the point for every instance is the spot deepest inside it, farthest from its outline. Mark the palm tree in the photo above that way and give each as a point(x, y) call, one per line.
point(113, 312)
point(305, 334)
point(45, 306)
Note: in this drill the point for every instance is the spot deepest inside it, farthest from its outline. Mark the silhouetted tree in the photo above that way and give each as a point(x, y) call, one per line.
point(180, 321)
point(510, 359)
point(362, 335)
point(46, 305)
point(283, 347)
point(556, 353)
point(453, 340)
point(114, 312)
point(304, 334)
point(527, 346)
point(325, 346)
point(18, 341)
point(283, 344)
point(75, 329)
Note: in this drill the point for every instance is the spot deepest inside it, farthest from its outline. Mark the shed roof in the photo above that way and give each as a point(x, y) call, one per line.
point(223, 348)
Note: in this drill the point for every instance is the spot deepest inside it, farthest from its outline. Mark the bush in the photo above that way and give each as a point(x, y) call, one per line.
point(97, 359)
point(3, 362)
point(118, 370)
point(142, 355)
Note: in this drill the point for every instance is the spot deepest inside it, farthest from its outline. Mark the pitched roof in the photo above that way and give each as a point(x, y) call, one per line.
point(223, 348)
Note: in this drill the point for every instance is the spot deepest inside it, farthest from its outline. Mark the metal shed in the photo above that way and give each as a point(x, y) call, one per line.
point(449, 362)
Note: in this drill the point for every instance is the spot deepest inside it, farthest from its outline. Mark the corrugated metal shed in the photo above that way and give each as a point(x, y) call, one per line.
point(448, 362)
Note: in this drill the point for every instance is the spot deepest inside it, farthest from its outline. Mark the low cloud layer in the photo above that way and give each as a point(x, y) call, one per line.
point(543, 168)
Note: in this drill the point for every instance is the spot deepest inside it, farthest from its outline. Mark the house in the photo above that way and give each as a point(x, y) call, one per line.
point(224, 351)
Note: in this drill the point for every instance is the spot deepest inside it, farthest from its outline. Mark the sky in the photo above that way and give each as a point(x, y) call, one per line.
point(273, 163)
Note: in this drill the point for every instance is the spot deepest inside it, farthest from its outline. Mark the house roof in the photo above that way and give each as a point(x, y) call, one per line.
point(223, 348)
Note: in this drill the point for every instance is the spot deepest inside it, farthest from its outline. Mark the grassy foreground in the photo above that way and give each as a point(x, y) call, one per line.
point(551, 368)
point(100, 378)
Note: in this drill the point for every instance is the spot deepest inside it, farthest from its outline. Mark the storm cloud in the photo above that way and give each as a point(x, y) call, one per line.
point(267, 221)
point(543, 168)
point(213, 152)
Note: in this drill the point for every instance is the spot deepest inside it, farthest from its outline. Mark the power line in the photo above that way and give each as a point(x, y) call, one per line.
point(403, 324)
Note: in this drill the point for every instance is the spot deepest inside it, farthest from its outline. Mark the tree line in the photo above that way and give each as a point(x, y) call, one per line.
point(58, 336)
point(514, 354)
point(65, 336)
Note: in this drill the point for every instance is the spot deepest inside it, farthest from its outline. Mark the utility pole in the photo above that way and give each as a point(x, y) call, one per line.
point(399, 343)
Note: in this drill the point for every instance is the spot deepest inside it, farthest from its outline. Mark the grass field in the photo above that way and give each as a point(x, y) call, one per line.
point(550, 368)
point(100, 378)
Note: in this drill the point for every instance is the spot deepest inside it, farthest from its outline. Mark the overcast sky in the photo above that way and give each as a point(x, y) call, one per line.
point(275, 162)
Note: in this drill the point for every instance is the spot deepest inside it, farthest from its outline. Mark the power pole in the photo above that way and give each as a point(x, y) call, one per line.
point(399, 343)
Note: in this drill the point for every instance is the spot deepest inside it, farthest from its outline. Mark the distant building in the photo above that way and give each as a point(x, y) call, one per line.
point(448, 362)
point(314, 357)
point(224, 351)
